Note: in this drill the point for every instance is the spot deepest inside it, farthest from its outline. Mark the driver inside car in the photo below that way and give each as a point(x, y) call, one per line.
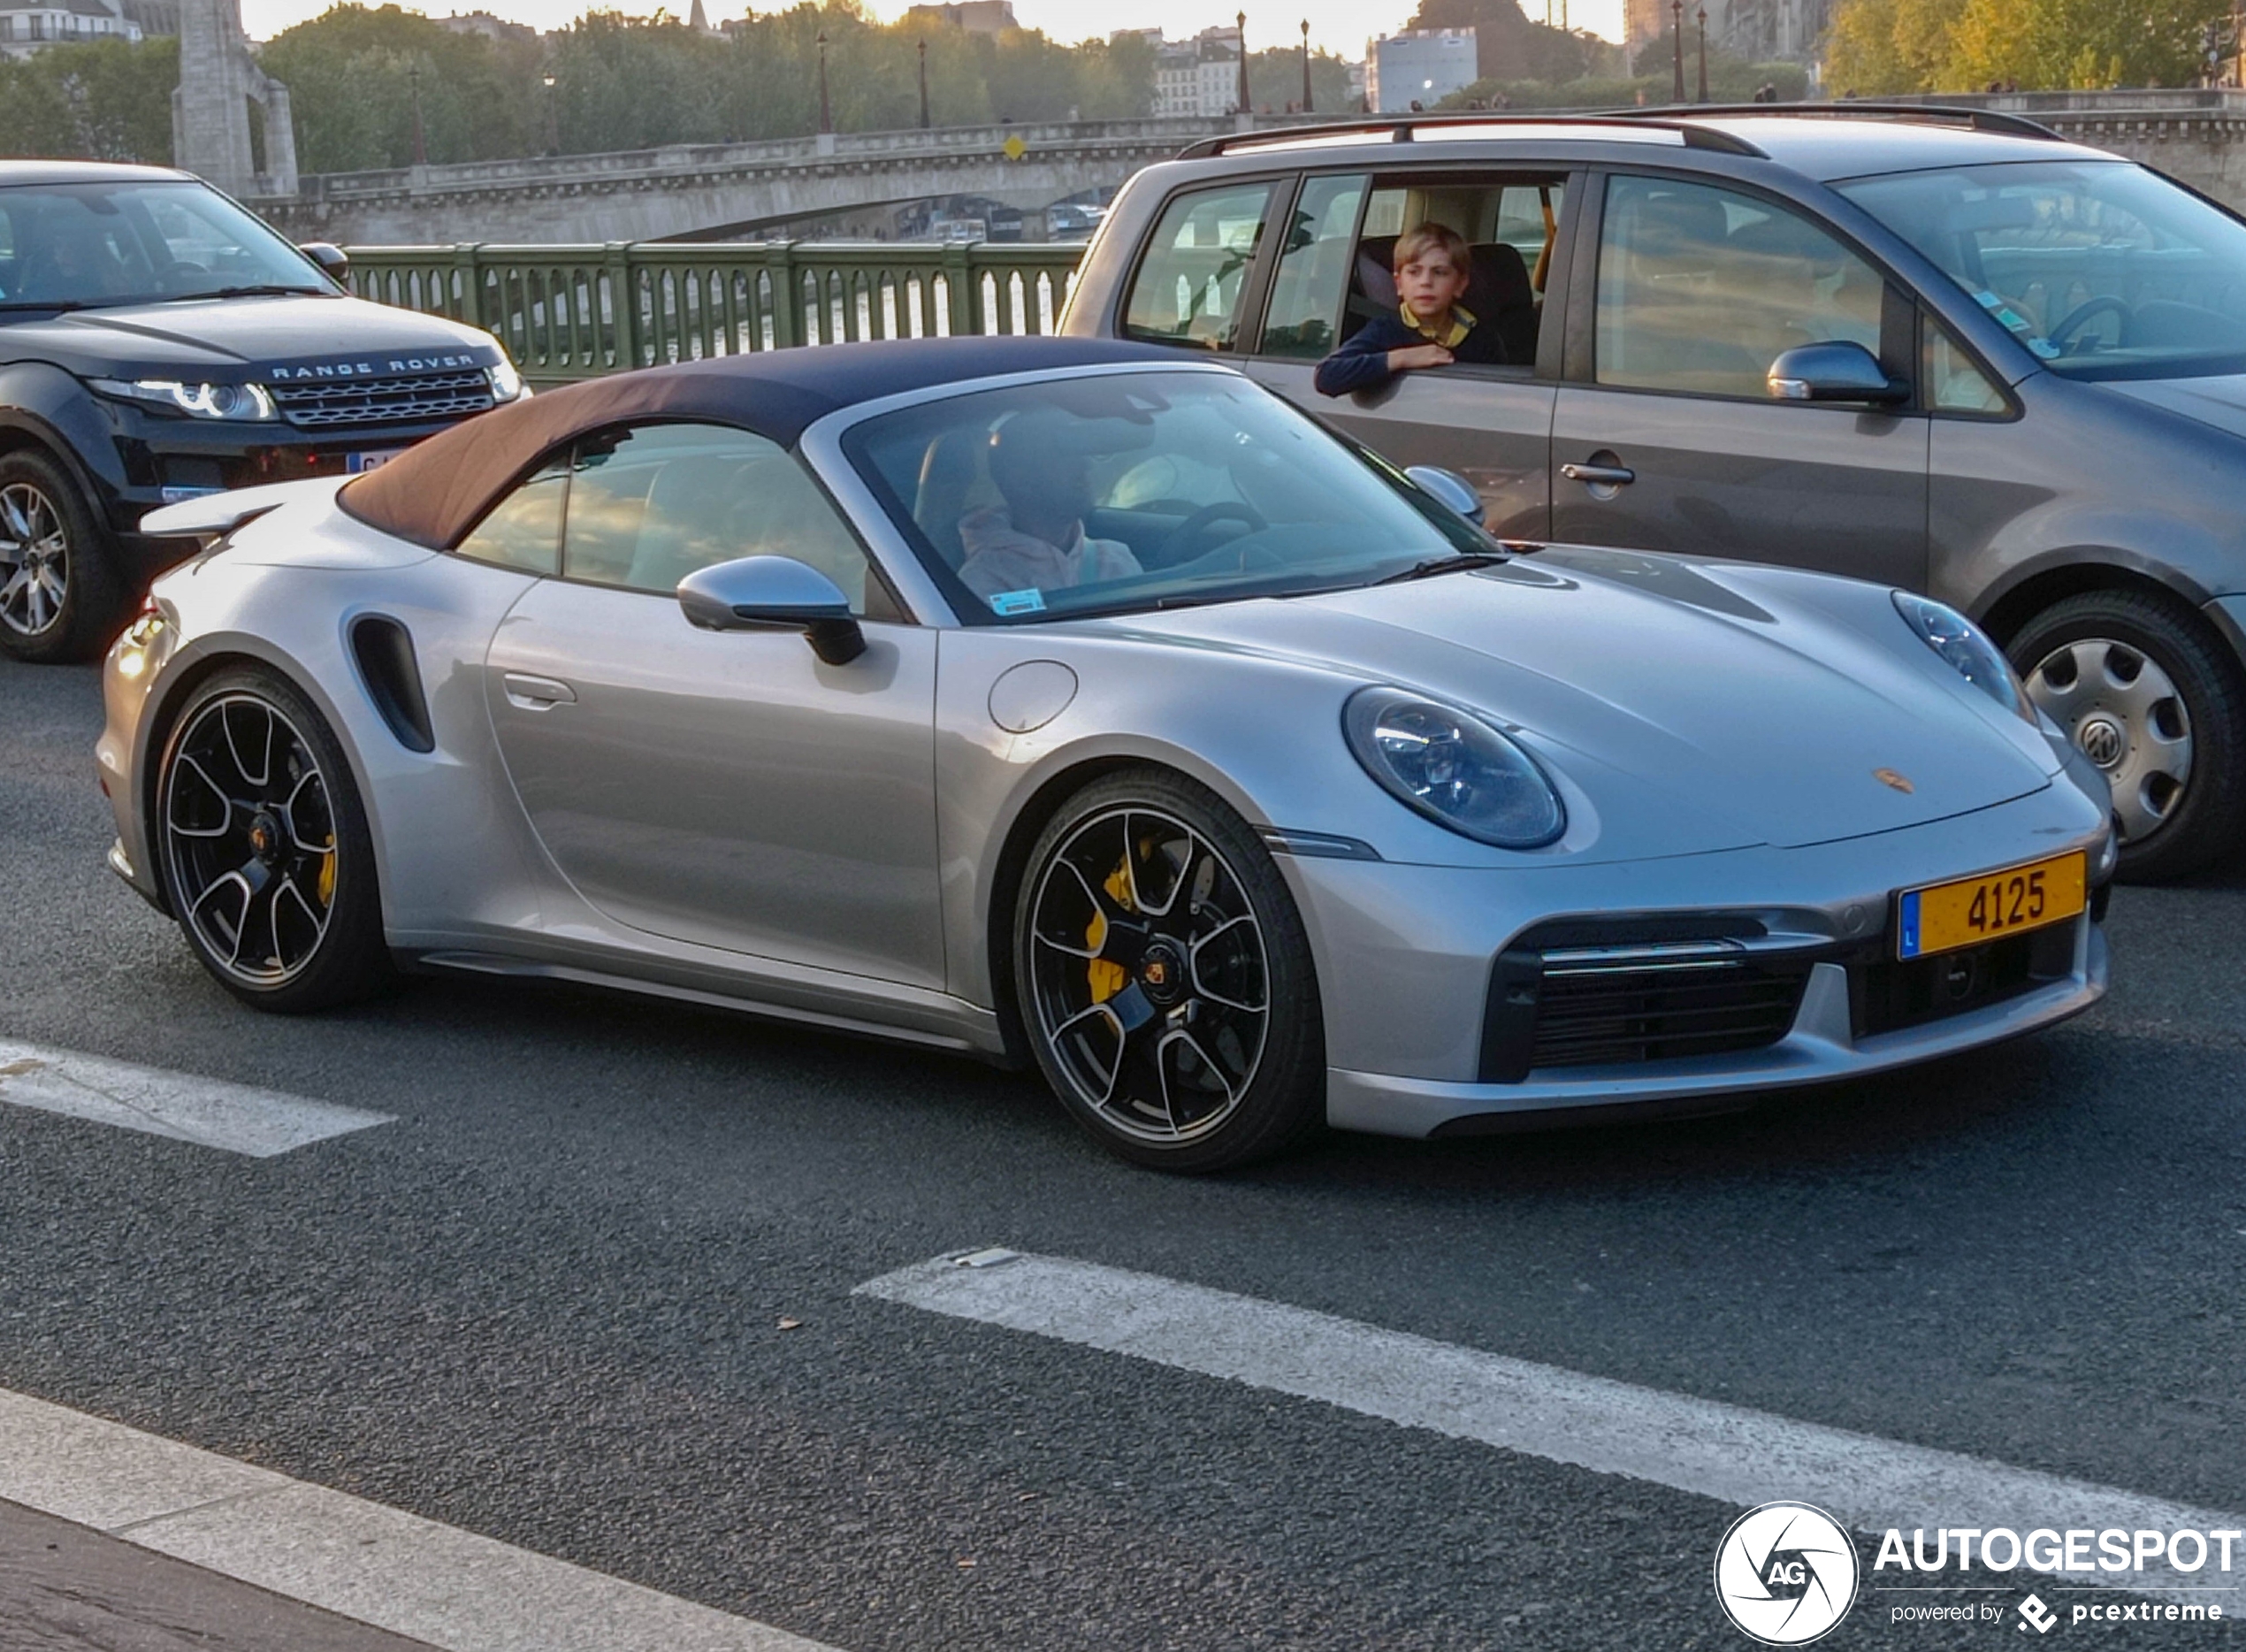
point(1036, 541)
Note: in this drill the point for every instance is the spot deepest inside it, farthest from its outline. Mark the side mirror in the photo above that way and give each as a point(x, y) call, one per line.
point(331, 257)
point(773, 592)
point(1449, 490)
point(1838, 372)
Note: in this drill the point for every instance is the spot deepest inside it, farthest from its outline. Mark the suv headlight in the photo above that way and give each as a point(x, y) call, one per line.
point(507, 384)
point(236, 403)
point(1453, 767)
point(1967, 649)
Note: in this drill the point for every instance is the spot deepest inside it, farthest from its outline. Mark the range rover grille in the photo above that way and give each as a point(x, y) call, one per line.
point(328, 403)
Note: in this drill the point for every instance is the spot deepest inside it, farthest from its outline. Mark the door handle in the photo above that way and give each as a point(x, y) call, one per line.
point(537, 693)
point(1598, 475)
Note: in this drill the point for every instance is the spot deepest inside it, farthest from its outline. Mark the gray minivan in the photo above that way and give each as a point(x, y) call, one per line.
point(1942, 349)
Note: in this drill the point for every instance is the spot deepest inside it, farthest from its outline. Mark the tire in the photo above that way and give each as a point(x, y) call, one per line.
point(1185, 1037)
point(263, 848)
point(2147, 691)
point(62, 595)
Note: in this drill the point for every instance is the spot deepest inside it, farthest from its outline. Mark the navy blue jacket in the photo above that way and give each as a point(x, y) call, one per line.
point(1362, 363)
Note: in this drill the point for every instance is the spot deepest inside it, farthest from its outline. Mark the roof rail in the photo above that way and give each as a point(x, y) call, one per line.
point(1400, 129)
point(1849, 109)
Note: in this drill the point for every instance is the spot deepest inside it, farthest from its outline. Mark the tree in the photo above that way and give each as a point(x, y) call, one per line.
point(104, 99)
point(1275, 80)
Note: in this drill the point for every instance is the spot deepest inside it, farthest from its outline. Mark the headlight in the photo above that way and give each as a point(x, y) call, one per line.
point(507, 384)
point(1967, 649)
point(236, 403)
point(1454, 767)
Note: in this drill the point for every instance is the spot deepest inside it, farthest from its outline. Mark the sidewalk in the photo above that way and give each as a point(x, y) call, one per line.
point(65, 1587)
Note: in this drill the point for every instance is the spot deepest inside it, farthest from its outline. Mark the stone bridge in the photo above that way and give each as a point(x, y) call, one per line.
point(710, 191)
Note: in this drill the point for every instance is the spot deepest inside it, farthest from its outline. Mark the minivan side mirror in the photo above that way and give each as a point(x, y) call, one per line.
point(331, 258)
point(770, 592)
point(1836, 371)
point(1448, 489)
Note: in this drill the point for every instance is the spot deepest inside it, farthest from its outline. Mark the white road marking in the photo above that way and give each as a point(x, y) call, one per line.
point(1727, 1452)
point(206, 1111)
point(414, 1578)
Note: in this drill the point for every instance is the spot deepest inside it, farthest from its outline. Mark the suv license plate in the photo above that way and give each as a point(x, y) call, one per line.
point(1944, 917)
point(359, 463)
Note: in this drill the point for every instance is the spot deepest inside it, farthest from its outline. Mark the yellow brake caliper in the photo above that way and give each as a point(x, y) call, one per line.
point(1107, 977)
point(327, 876)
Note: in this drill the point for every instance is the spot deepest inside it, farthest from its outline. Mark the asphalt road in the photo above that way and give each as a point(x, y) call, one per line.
point(546, 1304)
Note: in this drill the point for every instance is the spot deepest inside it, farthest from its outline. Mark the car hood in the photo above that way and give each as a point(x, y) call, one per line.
point(1696, 706)
point(234, 339)
point(2220, 402)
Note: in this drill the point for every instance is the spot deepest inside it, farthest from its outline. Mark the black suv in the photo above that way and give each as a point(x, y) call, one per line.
point(157, 342)
point(1940, 350)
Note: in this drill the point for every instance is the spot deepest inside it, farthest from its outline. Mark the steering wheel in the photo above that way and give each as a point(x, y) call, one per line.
point(2084, 311)
point(1178, 542)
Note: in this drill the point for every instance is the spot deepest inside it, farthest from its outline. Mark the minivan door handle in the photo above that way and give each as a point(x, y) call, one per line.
point(537, 693)
point(1598, 475)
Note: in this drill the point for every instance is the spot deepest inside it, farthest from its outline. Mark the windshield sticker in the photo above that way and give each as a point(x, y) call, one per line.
point(2045, 348)
point(1029, 601)
point(1987, 300)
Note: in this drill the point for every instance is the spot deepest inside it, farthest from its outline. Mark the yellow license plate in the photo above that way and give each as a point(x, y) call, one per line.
point(1947, 916)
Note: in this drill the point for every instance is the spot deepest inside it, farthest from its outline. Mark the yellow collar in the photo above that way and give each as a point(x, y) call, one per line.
point(1461, 323)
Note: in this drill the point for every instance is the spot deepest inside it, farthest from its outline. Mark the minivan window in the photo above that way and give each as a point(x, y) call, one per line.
point(1700, 289)
point(2102, 269)
point(1188, 285)
point(1303, 318)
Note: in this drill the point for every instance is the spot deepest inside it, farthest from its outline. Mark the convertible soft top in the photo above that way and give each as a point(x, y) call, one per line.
point(434, 493)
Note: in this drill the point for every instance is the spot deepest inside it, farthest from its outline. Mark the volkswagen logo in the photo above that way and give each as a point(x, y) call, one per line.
point(2102, 740)
point(1785, 1573)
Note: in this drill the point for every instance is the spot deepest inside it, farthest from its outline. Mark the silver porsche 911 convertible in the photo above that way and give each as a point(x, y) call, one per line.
point(1062, 702)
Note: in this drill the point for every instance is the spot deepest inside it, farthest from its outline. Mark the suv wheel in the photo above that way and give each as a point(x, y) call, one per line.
point(2147, 693)
point(60, 598)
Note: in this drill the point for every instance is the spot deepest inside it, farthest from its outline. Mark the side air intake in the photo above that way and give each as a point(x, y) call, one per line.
point(384, 650)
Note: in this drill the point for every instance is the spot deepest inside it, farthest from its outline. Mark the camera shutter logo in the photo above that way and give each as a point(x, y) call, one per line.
point(1785, 1573)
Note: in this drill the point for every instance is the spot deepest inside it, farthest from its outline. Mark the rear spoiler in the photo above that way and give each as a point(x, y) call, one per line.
point(216, 514)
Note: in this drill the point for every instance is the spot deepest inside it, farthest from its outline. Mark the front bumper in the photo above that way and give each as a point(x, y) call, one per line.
point(1410, 968)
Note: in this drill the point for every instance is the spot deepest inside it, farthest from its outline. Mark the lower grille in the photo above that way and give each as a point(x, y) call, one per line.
point(1586, 1018)
point(327, 403)
point(1894, 994)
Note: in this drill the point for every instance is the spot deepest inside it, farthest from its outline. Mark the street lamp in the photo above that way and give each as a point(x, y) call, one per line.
point(1676, 47)
point(420, 140)
point(552, 120)
point(924, 85)
point(826, 109)
point(1246, 108)
point(1703, 14)
point(1306, 66)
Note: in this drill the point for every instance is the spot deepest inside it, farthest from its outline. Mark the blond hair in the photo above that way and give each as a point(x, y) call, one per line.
point(1418, 241)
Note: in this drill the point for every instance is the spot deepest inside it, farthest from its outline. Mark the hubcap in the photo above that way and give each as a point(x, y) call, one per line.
point(1148, 976)
point(34, 560)
point(2124, 714)
point(250, 837)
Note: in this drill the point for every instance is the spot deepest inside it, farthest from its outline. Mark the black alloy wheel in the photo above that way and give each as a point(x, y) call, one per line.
point(2143, 688)
point(1165, 978)
point(60, 597)
point(265, 855)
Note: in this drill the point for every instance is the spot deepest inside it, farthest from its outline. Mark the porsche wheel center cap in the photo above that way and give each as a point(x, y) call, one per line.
point(1162, 973)
point(265, 837)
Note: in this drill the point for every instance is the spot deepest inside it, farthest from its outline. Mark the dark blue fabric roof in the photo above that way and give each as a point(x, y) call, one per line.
point(434, 493)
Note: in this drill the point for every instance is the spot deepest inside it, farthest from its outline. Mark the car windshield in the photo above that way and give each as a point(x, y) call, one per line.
point(2101, 268)
point(1115, 492)
point(71, 246)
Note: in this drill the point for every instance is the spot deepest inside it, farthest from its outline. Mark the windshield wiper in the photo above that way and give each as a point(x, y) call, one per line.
point(1458, 563)
point(57, 304)
point(270, 290)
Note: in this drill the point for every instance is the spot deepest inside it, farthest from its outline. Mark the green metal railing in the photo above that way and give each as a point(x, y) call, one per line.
point(579, 311)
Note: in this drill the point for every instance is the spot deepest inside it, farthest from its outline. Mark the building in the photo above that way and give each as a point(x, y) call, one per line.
point(1759, 31)
point(492, 29)
point(32, 26)
point(977, 17)
point(1198, 77)
point(1419, 66)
